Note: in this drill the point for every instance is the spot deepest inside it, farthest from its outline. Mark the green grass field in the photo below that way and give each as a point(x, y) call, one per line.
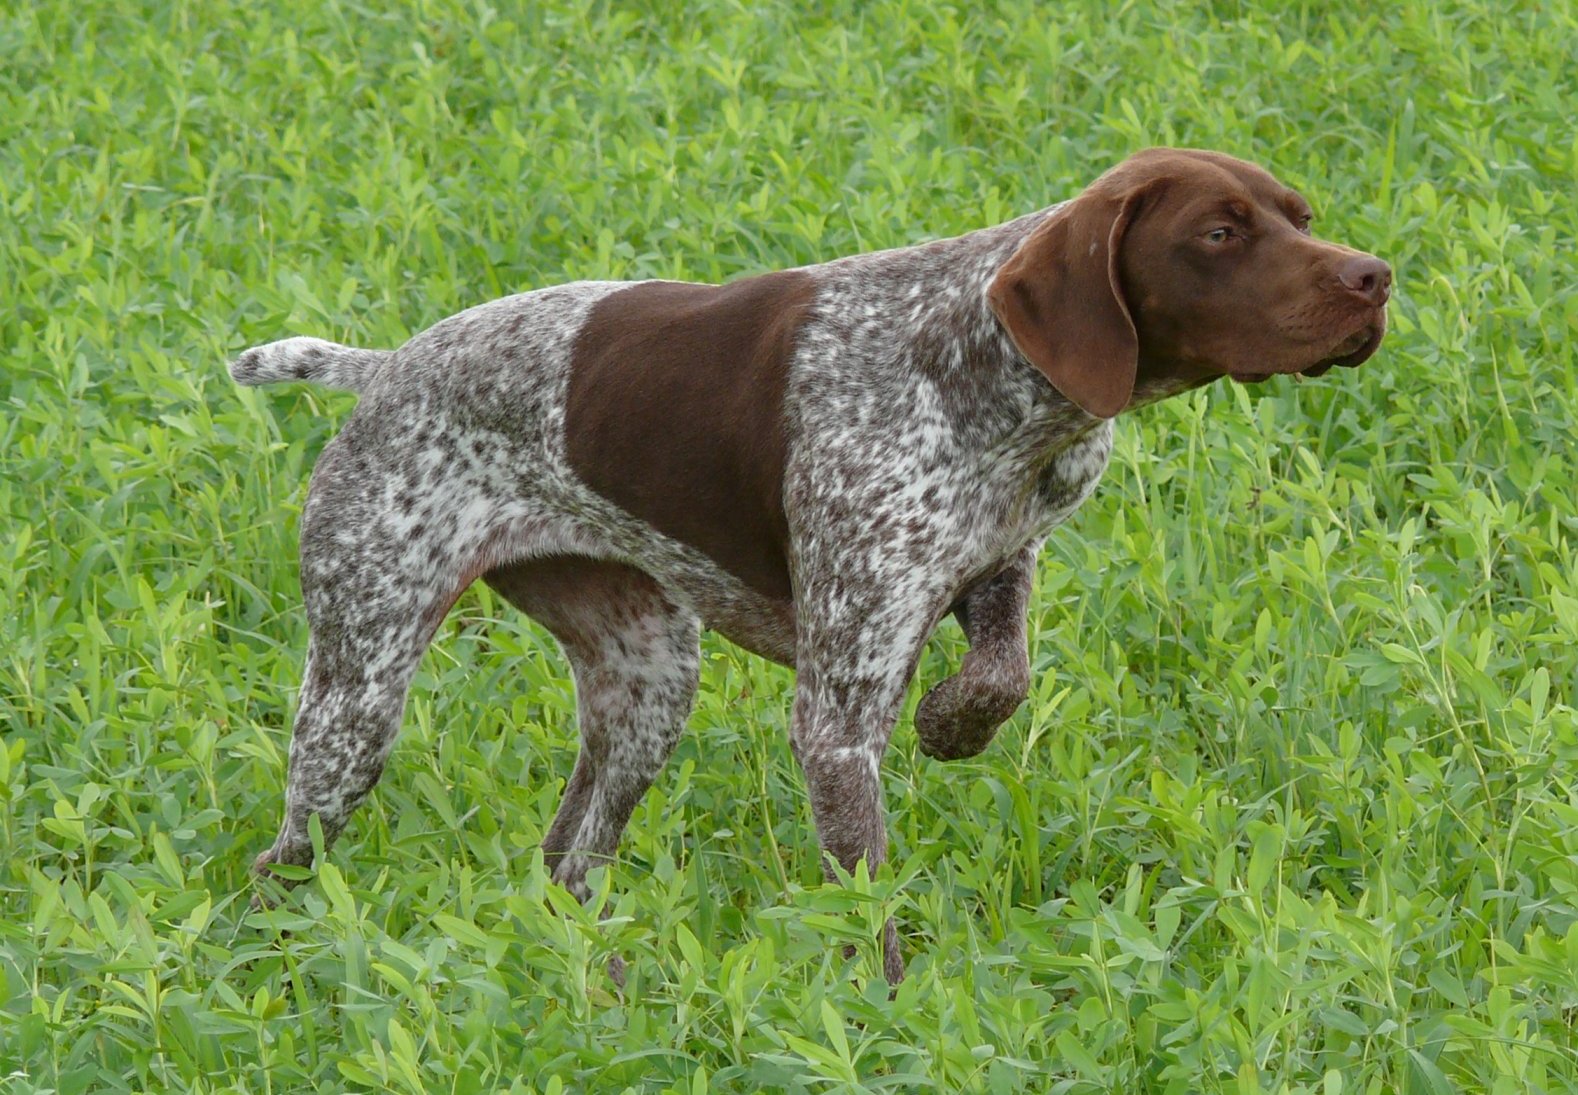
point(1292, 808)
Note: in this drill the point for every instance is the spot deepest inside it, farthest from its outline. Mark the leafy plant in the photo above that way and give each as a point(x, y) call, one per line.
point(1290, 809)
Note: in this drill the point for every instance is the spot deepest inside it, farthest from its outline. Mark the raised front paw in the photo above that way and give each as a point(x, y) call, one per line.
point(959, 717)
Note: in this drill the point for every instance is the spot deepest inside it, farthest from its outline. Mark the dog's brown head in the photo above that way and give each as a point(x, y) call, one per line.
point(1185, 265)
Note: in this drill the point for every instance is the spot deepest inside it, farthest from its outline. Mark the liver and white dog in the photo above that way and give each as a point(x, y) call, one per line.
point(818, 463)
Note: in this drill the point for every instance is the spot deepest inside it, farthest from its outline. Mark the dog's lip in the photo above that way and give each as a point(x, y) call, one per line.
point(1350, 352)
point(1367, 344)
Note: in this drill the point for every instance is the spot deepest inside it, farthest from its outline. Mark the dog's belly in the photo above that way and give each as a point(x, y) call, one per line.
point(748, 618)
point(766, 628)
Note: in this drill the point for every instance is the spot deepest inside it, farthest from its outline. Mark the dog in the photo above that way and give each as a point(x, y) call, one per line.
point(817, 463)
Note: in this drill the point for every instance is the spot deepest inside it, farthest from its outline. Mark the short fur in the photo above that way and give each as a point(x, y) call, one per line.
point(819, 464)
point(673, 383)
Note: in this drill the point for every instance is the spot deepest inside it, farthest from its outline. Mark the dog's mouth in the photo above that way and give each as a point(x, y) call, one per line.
point(1351, 352)
point(1354, 351)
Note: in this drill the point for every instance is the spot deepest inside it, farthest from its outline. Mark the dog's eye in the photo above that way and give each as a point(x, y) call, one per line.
point(1304, 223)
point(1219, 235)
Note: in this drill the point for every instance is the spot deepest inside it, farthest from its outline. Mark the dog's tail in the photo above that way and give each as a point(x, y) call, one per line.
point(313, 359)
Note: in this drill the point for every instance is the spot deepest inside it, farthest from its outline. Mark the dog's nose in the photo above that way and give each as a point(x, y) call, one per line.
point(1367, 276)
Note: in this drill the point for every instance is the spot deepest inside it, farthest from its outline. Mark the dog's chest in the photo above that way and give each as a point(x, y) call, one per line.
point(1071, 476)
point(1033, 496)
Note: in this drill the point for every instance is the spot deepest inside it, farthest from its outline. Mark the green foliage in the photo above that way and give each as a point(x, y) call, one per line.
point(1291, 809)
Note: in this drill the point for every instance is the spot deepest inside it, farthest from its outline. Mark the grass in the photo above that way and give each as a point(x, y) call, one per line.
point(1292, 808)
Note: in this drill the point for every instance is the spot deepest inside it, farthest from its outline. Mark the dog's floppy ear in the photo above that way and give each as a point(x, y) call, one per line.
point(1060, 299)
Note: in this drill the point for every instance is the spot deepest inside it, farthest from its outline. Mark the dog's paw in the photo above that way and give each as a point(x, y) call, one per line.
point(959, 717)
point(270, 886)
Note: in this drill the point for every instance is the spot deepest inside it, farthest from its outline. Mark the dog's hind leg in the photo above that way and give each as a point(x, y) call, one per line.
point(635, 657)
point(387, 545)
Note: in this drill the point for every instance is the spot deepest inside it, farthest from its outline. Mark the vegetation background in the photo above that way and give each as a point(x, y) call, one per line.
point(1292, 808)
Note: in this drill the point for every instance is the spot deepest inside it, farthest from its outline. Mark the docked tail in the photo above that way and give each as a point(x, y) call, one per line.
point(326, 363)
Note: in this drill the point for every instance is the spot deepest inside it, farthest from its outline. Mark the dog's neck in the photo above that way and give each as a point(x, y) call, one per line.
point(979, 338)
point(947, 341)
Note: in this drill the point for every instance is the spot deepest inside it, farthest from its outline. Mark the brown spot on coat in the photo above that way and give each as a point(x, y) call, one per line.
point(675, 413)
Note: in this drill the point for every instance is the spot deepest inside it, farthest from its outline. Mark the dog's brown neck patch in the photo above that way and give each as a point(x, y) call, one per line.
point(675, 413)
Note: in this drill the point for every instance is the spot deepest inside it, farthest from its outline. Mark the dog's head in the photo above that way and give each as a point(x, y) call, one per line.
point(1185, 265)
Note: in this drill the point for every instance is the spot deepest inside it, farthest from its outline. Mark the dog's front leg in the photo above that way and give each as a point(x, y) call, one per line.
point(854, 660)
point(960, 716)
